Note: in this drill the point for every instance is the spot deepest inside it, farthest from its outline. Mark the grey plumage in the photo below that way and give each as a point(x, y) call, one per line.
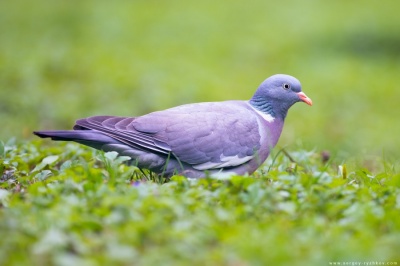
point(216, 138)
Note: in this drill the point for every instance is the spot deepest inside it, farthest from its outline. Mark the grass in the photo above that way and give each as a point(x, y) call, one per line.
point(336, 200)
point(66, 204)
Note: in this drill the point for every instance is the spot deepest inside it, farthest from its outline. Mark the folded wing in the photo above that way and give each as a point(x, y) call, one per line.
point(205, 135)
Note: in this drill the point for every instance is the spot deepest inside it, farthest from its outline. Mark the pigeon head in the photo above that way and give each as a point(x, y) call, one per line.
point(277, 94)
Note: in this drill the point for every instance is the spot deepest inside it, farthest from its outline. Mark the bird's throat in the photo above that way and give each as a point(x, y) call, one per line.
point(263, 106)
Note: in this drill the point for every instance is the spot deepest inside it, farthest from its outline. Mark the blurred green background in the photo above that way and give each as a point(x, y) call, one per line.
point(63, 60)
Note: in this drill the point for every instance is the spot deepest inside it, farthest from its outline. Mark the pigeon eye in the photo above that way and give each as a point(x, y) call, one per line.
point(286, 86)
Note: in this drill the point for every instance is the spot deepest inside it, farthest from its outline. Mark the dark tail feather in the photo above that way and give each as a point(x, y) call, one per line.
point(90, 138)
point(59, 134)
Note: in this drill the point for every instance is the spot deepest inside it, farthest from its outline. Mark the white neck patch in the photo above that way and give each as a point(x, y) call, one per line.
point(267, 117)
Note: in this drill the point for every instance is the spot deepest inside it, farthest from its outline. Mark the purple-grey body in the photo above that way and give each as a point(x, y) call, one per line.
point(196, 140)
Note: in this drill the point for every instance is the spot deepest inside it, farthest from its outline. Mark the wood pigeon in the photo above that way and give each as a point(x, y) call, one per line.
point(196, 140)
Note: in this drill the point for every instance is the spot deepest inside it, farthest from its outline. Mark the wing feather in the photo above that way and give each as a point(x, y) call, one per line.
point(205, 135)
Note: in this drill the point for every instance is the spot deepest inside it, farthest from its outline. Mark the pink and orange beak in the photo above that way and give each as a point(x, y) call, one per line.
point(303, 97)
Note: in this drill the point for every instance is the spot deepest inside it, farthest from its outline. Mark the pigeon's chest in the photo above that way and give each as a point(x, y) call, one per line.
point(270, 132)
